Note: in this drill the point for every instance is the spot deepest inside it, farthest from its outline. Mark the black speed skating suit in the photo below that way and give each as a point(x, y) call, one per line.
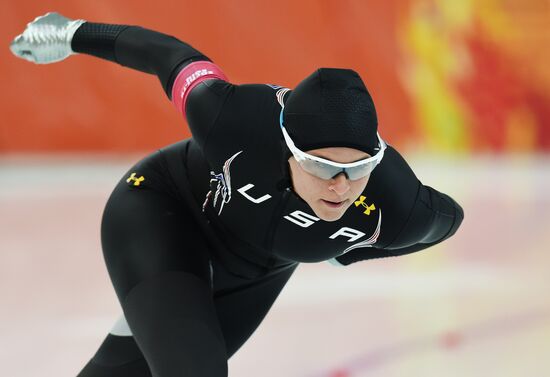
point(200, 237)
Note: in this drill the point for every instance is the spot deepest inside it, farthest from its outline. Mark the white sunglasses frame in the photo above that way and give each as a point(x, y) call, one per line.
point(301, 155)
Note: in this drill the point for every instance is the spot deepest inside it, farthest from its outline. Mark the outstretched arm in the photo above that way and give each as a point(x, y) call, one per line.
point(52, 37)
point(137, 48)
point(180, 68)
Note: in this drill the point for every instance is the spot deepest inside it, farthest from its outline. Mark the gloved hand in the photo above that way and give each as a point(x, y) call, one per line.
point(47, 39)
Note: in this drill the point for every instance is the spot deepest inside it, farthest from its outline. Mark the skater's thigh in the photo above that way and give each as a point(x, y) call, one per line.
point(147, 230)
point(158, 261)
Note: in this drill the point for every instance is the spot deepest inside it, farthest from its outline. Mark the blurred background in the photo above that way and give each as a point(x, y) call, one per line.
point(462, 90)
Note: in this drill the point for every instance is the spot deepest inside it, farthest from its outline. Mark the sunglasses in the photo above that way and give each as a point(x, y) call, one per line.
point(327, 169)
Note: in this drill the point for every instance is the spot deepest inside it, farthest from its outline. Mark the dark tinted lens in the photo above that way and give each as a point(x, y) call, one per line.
point(320, 169)
point(325, 171)
point(359, 172)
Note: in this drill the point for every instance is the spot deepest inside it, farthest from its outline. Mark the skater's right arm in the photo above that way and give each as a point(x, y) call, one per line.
point(179, 67)
point(138, 48)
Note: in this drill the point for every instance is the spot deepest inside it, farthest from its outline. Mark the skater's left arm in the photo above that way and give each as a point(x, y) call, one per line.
point(422, 216)
point(435, 217)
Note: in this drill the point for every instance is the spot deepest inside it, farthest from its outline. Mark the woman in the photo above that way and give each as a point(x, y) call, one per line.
point(200, 237)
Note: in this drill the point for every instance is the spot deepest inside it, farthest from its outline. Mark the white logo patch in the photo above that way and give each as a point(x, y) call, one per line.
point(223, 185)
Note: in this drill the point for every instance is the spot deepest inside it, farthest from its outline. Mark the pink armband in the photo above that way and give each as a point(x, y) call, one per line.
point(191, 76)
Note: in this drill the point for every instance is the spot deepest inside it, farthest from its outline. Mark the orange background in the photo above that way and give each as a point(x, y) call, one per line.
point(490, 102)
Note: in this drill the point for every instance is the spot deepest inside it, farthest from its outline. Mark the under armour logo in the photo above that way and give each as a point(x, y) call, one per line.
point(361, 202)
point(137, 181)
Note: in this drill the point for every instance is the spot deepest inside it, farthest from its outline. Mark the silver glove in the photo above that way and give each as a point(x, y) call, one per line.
point(47, 39)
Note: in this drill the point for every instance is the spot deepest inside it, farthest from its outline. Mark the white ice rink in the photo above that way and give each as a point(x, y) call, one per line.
point(477, 305)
